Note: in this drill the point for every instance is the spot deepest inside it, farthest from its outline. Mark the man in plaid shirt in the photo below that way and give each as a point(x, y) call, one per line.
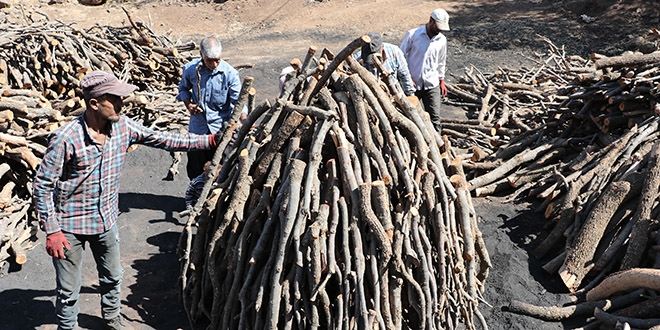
point(76, 192)
point(195, 187)
point(392, 58)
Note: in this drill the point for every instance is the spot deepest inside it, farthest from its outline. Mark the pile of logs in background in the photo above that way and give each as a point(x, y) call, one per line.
point(334, 207)
point(41, 64)
point(579, 135)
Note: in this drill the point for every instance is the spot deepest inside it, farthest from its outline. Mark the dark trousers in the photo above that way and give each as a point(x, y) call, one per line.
point(196, 161)
point(431, 100)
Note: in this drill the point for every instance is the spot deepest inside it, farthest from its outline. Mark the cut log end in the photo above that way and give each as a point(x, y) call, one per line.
point(570, 280)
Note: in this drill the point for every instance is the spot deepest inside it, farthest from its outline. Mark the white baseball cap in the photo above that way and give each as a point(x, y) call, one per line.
point(441, 19)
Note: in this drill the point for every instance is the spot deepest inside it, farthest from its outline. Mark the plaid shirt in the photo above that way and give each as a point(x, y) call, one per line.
point(76, 188)
point(396, 64)
point(194, 190)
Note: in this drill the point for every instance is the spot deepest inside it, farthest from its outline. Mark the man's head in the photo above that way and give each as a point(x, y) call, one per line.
point(210, 49)
point(373, 48)
point(104, 92)
point(441, 19)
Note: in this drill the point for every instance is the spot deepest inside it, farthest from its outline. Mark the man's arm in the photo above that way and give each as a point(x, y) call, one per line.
point(50, 170)
point(45, 183)
point(442, 65)
point(186, 90)
point(139, 134)
point(402, 72)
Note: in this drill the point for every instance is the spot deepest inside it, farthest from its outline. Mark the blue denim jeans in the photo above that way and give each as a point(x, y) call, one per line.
point(68, 271)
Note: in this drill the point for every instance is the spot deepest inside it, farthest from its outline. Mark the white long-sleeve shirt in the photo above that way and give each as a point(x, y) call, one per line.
point(426, 57)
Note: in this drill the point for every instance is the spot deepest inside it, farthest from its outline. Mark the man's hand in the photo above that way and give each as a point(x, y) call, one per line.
point(54, 244)
point(443, 88)
point(192, 107)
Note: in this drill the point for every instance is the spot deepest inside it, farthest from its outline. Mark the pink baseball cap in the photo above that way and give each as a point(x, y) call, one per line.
point(97, 83)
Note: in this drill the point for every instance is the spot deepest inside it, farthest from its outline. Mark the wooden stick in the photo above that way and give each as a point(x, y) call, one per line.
point(558, 313)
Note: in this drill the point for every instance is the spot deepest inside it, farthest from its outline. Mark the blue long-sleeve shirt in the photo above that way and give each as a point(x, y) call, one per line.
point(216, 94)
point(76, 188)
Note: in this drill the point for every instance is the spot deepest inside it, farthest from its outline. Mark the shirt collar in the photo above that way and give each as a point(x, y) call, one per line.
point(85, 127)
point(218, 69)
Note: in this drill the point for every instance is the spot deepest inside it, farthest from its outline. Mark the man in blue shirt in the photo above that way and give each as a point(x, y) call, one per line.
point(209, 88)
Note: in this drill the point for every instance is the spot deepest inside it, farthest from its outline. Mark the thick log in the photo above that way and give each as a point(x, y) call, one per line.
point(6, 194)
point(626, 280)
point(283, 133)
point(642, 218)
point(566, 209)
point(287, 217)
point(581, 252)
point(18, 108)
point(6, 116)
point(368, 215)
point(613, 320)
point(25, 154)
point(172, 52)
point(4, 168)
point(556, 313)
point(38, 113)
point(646, 309)
point(18, 141)
point(627, 60)
point(16, 245)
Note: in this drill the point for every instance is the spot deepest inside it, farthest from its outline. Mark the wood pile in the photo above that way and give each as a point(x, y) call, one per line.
point(581, 136)
point(41, 65)
point(335, 207)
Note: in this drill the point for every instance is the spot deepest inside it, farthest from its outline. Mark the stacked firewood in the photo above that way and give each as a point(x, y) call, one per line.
point(41, 65)
point(336, 207)
point(51, 57)
point(581, 136)
point(17, 164)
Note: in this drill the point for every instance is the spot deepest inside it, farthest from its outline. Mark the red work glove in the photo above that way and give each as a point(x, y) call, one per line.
point(443, 88)
point(214, 140)
point(54, 244)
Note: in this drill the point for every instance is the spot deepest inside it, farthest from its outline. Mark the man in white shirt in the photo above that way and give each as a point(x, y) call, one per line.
point(425, 49)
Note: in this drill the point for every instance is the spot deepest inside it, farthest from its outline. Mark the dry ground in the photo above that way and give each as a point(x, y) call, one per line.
point(267, 34)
